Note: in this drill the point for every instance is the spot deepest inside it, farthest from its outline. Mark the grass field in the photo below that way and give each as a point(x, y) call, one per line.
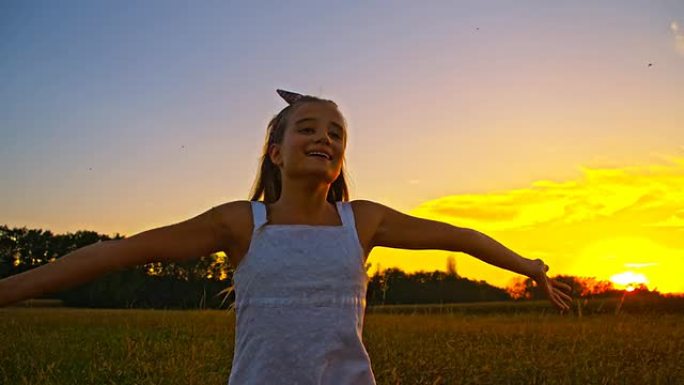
point(88, 346)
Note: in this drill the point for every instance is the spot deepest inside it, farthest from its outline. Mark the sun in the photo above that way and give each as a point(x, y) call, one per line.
point(631, 259)
point(629, 280)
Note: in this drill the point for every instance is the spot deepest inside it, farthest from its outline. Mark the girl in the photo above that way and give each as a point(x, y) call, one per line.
point(300, 281)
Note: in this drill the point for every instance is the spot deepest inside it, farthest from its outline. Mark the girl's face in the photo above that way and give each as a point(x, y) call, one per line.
point(313, 126)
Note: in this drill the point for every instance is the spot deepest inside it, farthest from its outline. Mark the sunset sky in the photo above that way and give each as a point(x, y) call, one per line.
point(555, 128)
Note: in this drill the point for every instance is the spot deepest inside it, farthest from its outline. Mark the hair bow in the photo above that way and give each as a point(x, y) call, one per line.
point(290, 97)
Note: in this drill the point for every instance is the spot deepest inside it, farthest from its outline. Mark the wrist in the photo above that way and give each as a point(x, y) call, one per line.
point(533, 268)
point(539, 269)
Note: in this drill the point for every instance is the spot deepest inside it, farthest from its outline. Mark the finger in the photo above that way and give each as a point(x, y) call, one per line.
point(554, 300)
point(568, 304)
point(562, 285)
point(563, 295)
point(561, 302)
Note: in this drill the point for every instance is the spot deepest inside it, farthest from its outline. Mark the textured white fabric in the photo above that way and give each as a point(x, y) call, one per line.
point(300, 299)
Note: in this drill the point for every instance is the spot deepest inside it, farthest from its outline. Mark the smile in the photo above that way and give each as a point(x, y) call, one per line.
point(320, 158)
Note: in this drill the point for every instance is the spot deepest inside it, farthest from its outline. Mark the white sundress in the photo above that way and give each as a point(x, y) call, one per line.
point(300, 299)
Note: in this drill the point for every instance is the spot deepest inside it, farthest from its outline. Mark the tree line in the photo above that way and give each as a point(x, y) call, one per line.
point(205, 282)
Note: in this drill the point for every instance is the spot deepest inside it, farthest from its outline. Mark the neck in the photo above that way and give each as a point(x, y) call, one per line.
point(301, 199)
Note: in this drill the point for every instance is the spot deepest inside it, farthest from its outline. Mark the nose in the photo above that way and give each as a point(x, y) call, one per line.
point(325, 138)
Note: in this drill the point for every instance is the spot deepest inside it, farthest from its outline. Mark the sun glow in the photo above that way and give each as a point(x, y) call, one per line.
point(629, 280)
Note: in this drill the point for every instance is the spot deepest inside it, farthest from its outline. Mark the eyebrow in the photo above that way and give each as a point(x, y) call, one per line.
point(314, 119)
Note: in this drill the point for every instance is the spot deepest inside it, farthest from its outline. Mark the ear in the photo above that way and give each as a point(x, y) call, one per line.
point(274, 154)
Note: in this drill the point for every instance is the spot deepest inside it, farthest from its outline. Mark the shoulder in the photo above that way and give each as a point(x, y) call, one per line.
point(233, 219)
point(368, 217)
point(369, 208)
point(372, 212)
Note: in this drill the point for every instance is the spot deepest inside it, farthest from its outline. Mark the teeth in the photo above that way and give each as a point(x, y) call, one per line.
point(319, 153)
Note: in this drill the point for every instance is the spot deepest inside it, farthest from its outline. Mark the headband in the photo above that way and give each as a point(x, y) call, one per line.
point(290, 97)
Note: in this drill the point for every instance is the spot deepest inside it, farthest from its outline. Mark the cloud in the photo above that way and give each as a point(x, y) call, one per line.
point(675, 221)
point(642, 196)
point(640, 265)
point(678, 35)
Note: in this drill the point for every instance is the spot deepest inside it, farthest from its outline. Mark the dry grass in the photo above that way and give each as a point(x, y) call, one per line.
point(83, 346)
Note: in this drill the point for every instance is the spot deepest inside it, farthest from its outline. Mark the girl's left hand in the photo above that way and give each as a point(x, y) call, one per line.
point(557, 291)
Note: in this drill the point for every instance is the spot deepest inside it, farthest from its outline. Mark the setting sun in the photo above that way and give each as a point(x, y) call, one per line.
point(629, 280)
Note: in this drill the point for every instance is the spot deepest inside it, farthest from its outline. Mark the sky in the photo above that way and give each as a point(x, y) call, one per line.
point(555, 128)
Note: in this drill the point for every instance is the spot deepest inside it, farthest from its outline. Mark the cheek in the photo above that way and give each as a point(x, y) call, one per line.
point(294, 145)
point(297, 142)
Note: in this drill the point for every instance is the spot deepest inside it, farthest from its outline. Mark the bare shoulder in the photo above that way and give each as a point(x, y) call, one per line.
point(368, 216)
point(234, 221)
point(366, 212)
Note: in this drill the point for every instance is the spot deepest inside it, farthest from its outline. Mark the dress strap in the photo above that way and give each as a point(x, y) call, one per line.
point(346, 213)
point(258, 213)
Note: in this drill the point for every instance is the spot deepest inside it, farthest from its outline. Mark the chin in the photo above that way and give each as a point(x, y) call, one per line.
point(328, 177)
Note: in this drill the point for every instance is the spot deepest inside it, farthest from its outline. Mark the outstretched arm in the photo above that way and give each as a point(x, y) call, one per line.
point(397, 230)
point(192, 238)
point(79, 266)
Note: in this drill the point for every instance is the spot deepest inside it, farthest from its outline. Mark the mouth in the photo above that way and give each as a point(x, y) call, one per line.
point(319, 155)
point(320, 159)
